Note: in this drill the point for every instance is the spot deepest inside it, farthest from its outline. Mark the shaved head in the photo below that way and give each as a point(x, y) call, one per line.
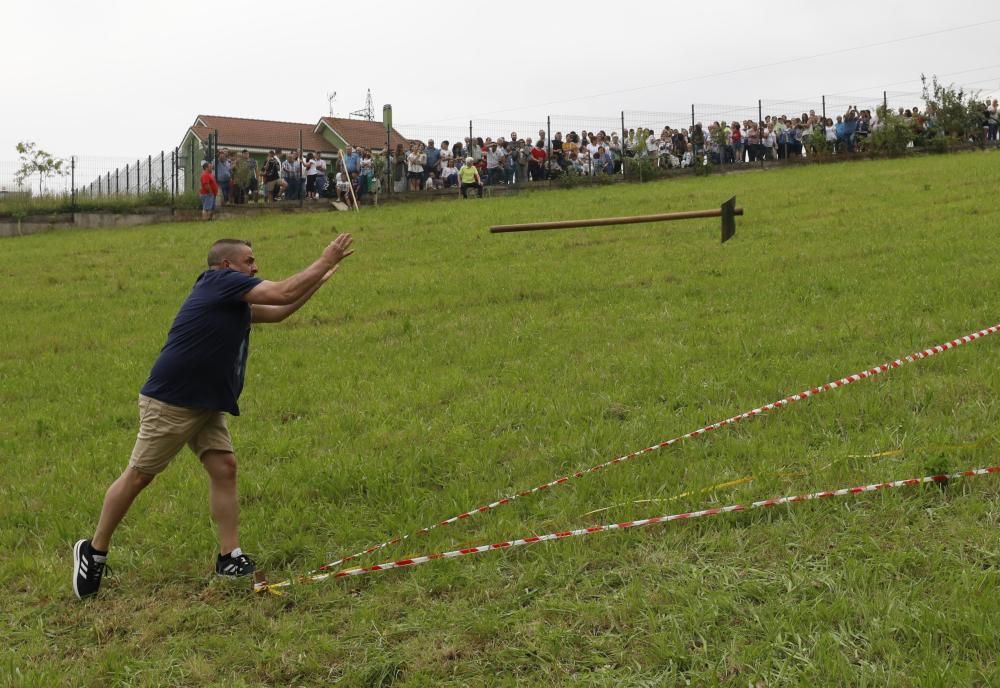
point(225, 249)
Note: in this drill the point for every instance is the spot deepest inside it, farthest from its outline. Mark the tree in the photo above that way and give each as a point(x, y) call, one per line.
point(954, 112)
point(36, 161)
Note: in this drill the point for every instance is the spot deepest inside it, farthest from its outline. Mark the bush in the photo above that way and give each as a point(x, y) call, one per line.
point(702, 170)
point(937, 143)
point(569, 180)
point(893, 134)
point(818, 146)
point(639, 168)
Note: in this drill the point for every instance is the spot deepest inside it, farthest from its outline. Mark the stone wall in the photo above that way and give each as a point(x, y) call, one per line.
point(36, 224)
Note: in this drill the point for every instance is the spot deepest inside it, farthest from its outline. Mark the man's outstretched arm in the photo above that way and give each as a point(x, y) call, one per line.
point(273, 314)
point(296, 290)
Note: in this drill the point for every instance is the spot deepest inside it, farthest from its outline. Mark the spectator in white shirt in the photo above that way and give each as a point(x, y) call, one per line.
point(321, 180)
point(415, 167)
point(449, 174)
point(770, 144)
point(343, 184)
point(495, 159)
point(310, 171)
point(446, 154)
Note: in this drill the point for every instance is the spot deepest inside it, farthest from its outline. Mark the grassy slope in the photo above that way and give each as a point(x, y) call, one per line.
point(445, 367)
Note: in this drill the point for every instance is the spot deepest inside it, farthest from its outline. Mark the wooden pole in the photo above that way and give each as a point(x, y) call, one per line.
point(347, 175)
point(601, 222)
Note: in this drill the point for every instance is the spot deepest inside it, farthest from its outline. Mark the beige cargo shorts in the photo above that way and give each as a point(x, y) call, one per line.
point(164, 429)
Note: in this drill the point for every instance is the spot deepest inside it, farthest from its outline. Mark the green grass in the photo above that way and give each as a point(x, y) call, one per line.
point(444, 367)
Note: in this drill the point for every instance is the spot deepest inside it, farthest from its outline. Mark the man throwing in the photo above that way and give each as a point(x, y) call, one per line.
point(195, 381)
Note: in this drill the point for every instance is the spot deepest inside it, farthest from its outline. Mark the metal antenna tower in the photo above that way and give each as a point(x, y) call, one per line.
point(368, 112)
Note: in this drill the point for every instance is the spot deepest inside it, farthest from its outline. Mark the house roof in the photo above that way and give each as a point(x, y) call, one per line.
point(362, 132)
point(258, 133)
point(237, 132)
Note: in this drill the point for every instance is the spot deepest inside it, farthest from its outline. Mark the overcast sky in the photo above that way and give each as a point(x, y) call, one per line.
point(123, 79)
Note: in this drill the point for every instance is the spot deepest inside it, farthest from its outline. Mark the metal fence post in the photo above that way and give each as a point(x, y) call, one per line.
point(72, 183)
point(727, 144)
point(118, 182)
point(699, 154)
point(471, 142)
point(885, 100)
point(824, 111)
point(138, 177)
point(548, 144)
point(128, 179)
point(622, 141)
point(760, 131)
point(299, 184)
point(163, 171)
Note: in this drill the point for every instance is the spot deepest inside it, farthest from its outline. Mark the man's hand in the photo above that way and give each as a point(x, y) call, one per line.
point(337, 250)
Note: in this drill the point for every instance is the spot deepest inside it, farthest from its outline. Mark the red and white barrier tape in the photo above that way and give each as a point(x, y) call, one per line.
point(871, 372)
point(479, 549)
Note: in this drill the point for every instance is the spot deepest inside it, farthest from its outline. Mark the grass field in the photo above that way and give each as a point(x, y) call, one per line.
point(443, 368)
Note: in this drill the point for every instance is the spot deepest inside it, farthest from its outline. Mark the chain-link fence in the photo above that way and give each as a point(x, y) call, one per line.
point(95, 177)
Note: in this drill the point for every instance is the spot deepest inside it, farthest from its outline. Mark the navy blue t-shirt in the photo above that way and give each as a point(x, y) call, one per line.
point(203, 362)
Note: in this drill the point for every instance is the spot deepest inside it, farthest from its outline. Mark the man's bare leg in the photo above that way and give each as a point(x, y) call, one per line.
point(222, 497)
point(117, 501)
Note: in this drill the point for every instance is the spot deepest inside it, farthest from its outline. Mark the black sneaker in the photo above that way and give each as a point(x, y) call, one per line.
point(88, 569)
point(234, 564)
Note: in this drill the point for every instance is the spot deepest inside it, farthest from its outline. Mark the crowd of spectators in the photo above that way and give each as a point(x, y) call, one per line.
point(514, 160)
point(477, 162)
point(517, 160)
point(283, 176)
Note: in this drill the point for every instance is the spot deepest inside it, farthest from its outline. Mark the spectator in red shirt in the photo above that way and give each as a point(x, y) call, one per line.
point(209, 190)
point(536, 166)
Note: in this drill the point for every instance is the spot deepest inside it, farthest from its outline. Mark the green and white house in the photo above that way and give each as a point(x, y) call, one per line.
point(211, 133)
